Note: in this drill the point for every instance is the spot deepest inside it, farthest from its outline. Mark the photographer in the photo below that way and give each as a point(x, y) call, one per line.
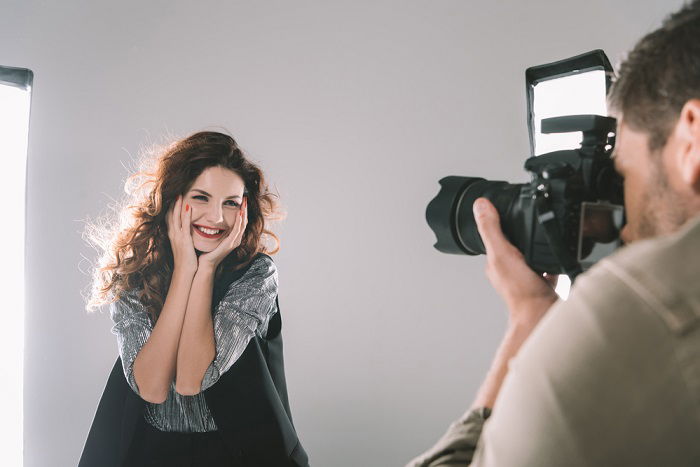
point(611, 376)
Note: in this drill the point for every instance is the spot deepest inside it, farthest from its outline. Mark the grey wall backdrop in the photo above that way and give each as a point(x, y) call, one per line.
point(354, 109)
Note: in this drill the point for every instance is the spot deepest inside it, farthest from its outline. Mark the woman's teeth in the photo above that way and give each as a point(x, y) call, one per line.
point(209, 231)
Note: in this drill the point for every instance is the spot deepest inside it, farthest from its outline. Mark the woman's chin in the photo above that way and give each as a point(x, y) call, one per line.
point(200, 249)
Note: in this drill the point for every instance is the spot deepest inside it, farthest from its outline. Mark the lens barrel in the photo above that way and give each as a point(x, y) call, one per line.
point(450, 214)
point(442, 214)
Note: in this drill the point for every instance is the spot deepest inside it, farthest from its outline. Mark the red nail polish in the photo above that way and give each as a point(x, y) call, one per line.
point(187, 207)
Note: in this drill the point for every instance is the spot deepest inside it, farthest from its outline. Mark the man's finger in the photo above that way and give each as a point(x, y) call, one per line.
point(489, 225)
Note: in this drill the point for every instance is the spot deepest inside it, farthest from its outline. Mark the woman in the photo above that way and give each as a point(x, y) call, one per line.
point(193, 297)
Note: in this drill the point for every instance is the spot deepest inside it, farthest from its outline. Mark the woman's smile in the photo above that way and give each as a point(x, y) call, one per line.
point(208, 232)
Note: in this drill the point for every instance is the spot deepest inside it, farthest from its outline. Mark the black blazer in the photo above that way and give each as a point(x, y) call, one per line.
point(248, 403)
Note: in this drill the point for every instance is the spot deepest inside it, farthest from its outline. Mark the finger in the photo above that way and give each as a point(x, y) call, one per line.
point(230, 239)
point(233, 235)
point(245, 220)
point(187, 221)
point(245, 223)
point(176, 212)
point(170, 216)
point(489, 224)
point(241, 234)
point(240, 223)
point(181, 217)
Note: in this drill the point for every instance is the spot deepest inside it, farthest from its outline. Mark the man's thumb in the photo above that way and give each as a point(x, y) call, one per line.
point(489, 225)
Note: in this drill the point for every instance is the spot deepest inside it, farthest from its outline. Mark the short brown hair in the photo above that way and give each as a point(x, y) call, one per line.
point(659, 75)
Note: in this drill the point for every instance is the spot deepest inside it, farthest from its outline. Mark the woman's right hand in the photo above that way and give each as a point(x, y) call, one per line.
point(179, 221)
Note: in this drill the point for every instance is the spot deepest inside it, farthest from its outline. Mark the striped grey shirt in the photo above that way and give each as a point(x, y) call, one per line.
point(244, 311)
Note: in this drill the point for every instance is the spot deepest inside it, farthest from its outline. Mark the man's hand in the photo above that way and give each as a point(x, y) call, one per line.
point(527, 294)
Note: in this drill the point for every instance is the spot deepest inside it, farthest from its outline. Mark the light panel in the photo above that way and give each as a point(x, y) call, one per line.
point(578, 94)
point(14, 130)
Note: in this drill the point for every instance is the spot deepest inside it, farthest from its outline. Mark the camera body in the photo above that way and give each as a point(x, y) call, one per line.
point(570, 213)
point(544, 218)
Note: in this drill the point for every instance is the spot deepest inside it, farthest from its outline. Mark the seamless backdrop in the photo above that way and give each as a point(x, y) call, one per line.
point(354, 109)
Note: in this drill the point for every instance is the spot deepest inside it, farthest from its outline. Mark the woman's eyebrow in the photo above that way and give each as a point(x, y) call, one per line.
point(207, 194)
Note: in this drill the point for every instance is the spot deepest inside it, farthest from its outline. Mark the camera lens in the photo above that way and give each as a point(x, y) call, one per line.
point(450, 213)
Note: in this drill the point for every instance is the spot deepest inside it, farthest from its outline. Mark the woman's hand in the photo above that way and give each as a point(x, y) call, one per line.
point(179, 221)
point(230, 242)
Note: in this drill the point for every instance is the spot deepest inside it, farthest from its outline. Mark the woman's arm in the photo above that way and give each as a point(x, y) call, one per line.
point(197, 347)
point(154, 367)
point(198, 344)
point(244, 311)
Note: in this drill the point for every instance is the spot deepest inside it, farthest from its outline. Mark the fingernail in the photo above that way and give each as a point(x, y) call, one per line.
point(187, 207)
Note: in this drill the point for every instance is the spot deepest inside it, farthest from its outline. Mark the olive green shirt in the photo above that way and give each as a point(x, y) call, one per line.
point(610, 377)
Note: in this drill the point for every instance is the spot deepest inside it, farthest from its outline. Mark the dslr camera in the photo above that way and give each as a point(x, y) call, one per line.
point(569, 215)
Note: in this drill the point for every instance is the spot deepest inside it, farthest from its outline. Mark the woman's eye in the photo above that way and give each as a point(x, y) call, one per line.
point(204, 198)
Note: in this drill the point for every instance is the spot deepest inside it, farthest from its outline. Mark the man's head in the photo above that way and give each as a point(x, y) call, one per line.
point(656, 99)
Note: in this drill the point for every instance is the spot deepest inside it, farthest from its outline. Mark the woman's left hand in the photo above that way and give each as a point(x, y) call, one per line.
point(230, 242)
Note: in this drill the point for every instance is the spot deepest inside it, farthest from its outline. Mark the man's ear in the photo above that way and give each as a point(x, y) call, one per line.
point(688, 132)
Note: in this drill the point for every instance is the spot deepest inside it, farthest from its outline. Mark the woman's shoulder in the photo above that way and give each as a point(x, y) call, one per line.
point(263, 259)
point(262, 266)
point(123, 296)
point(259, 279)
point(128, 304)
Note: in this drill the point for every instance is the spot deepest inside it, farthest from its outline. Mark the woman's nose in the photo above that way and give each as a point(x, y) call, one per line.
point(215, 215)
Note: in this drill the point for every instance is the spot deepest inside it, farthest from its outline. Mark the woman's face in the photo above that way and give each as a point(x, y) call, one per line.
point(215, 199)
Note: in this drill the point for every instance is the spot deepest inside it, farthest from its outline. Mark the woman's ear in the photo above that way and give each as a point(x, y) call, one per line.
point(688, 132)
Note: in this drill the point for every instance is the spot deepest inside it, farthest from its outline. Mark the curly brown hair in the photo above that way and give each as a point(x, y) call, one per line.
point(135, 248)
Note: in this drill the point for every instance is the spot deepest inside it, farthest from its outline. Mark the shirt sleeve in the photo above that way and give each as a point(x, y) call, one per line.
point(132, 326)
point(457, 445)
point(244, 311)
point(597, 383)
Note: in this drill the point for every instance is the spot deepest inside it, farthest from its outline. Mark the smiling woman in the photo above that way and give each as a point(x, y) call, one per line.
point(137, 242)
point(214, 215)
point(193, 297)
